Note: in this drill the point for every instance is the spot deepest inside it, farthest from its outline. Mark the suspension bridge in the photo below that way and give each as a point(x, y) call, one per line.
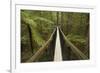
point(58, 48)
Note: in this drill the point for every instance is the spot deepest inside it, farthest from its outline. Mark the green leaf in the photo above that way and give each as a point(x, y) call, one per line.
point(44, 19)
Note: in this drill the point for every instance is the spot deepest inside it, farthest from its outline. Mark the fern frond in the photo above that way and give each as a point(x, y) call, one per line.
point(44, 19)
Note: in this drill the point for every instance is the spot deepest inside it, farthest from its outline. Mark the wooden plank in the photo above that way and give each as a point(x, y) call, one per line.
point(58, 52)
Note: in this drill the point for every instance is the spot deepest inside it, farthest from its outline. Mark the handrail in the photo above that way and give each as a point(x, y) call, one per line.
point(73, 47)
point(42, 49)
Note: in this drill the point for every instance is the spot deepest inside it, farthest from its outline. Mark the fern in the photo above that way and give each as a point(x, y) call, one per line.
point(44, 20)
point(78, 40)
point(37, 37)
point(33, 25)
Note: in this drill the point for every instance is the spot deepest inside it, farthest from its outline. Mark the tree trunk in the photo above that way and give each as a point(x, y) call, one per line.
point(30, 36)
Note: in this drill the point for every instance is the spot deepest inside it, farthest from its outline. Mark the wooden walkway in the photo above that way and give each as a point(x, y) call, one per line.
point(58, 52)
point(58, 49)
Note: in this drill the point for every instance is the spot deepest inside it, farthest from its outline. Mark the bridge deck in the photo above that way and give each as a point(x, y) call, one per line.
point(58, 53)
point(58, 49)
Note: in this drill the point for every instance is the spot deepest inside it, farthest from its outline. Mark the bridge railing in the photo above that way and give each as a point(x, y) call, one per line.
point(40, 52)
point(73, 48)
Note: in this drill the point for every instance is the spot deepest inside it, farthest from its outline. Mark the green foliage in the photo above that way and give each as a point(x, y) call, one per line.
point(77, 40)
point(41, 22)
point(37, 26)
point(44, 20)
point(37, 38)
point(24, 39)
point(40, 26)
